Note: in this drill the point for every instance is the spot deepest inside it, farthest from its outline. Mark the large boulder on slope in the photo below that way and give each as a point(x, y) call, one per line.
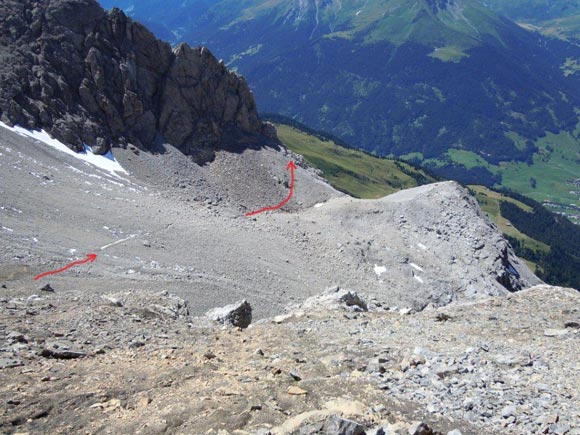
point(238, 314)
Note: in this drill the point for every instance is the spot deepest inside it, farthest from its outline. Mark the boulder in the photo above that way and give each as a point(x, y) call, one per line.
point(336, 425)
point(238, 314)
point(334, 298)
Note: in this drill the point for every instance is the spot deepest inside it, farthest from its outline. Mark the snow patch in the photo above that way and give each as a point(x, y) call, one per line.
point(105, 162)
point(414, 266)
point(320, 204)
point(418, 278)
point(118, 241)
point(422, 246)
point(8, 229)
point(78, 171)
point(379, 270)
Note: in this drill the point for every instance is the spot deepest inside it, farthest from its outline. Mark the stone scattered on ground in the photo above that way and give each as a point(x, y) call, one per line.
point(47, 288)
point(341, 426)
point(73, 362)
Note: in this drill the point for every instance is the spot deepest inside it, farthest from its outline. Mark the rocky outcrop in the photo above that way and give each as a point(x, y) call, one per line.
point(97, 78)
point(238, 314)
point(427, 246)
point(333, 298)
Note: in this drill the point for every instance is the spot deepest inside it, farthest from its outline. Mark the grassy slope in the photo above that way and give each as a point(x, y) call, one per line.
point(489, 201)
point(554, 165)
point(567, 28)
point(552, 170)
point(348, 170)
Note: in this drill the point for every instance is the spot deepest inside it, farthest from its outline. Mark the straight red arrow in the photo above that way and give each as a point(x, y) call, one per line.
point(290, 167)
point(89, 258)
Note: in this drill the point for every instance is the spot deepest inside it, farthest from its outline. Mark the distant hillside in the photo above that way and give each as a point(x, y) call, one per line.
point(548, 242)
point(351, 171)
point(559, 18)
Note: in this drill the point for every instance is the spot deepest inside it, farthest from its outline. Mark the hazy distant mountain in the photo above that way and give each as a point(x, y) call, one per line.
point(535, 9)
point(168, 19)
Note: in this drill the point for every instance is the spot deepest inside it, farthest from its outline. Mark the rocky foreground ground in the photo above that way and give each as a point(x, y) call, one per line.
point(137, 362)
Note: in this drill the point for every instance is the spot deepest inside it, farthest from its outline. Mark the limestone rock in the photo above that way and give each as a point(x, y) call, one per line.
point(334, 298)
point(92, 77)
point(8, 362)
point(47, 288)
point(296, 391)
point(238, 314)
point(420, 429)
point(336, 425)
point(559, 333)
point(60, 351)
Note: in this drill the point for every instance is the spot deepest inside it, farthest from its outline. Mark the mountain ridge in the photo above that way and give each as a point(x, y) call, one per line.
point(448, 85)
point(553, 19)
point(119, 84)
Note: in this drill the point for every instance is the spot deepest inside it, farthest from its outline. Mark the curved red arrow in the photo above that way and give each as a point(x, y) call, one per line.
point(291, 167)
point(90, 258)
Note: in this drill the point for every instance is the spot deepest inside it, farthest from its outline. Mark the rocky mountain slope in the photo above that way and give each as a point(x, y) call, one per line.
point(125, 344)
point(108, 343)
point(547, 241)
point(96, 78)
point(196, 239)
point(132, 362)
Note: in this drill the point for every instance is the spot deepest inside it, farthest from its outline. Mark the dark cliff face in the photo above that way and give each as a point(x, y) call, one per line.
point(93, 77)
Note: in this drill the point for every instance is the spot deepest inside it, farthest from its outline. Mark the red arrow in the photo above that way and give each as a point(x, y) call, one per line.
point(90, 258)
point(291, 167)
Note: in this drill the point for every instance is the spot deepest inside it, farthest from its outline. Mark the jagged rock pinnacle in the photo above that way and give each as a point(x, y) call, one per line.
point(97, 78)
